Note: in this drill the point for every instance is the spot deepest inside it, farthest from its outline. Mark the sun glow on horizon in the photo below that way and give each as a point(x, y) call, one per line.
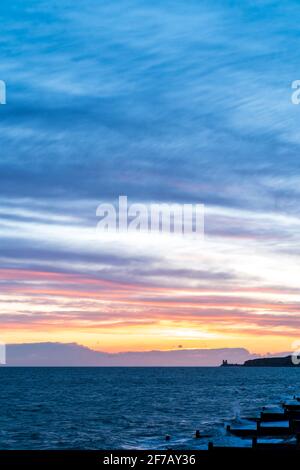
point(208, 295)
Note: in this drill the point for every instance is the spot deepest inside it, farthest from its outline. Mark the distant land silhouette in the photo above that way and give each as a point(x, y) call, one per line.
point(285, 361)
point(72, 354)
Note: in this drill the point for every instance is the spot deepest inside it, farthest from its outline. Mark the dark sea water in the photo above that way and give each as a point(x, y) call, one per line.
point(124, 408)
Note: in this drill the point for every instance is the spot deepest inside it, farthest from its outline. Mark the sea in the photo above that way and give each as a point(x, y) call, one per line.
point(133, 408)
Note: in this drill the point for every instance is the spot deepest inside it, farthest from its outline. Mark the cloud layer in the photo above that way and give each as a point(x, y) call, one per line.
point(164, 102)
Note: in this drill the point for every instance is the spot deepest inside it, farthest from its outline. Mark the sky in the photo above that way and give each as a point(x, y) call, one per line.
point(166, 102)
